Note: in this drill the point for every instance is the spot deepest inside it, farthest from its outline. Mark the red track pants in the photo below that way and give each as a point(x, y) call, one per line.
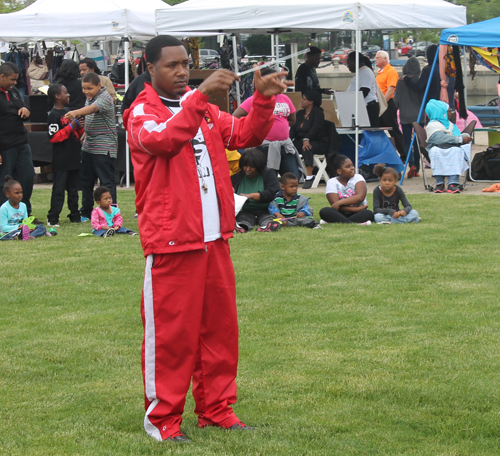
point(190, 331)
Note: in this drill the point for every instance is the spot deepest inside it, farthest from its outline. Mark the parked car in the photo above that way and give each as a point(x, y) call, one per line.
point(341, 54)
point(419, 49)
point(404, 49)
point(327, 55)
point(208, 56)
point(488, 114)
point(370, 50)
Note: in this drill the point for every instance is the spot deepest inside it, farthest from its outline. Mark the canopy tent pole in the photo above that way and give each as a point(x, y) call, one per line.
point(422, 106)
point(277, 43)
point(127, 150)
point(236, 69)
point(272, 46)
point(356, 108)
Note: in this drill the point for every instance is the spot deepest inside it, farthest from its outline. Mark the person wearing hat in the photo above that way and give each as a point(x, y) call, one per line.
point(308, 133)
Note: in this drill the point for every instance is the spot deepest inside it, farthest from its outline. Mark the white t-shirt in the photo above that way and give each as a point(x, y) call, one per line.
point(366, 79)
point(208, 192)
point(345, 191)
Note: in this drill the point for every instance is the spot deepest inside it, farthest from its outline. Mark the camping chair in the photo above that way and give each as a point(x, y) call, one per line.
point(321, 160)
point(422, 144)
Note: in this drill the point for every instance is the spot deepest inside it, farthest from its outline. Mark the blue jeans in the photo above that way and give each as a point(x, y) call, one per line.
point(17, 162)
point(96, 166)
point(40, 230)
point(455, 179)
point(407, 135)
point(118, 231)
point(412, 216)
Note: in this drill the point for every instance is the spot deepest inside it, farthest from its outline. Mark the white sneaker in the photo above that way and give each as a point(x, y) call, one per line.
point(385, 222)
point(365, 223)
point(109, 233)
point(322, 222)
point(55, 225)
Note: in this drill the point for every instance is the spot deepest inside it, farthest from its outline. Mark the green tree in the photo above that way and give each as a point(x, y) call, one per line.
point(258, 44)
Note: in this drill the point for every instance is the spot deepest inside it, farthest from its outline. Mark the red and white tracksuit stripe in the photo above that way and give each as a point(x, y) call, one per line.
point(190, 332)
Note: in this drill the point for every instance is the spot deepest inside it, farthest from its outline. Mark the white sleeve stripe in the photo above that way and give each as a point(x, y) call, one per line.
point(139, 110)
point(140, 142)
point(152, 126)
point(232, 128)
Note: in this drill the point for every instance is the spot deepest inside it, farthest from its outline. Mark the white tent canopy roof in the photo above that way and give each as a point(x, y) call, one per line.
point(90, 20)
point(315, 16)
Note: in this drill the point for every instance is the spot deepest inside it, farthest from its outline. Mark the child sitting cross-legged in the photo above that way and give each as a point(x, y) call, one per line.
point(290, 208)
point(13, 212)
point(106, 219)
point(387, 197)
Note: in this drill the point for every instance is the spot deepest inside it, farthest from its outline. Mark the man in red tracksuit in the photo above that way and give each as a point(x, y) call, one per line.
point(186, 216)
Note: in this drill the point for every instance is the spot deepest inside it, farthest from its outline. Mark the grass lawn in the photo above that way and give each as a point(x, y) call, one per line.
point(354, 340)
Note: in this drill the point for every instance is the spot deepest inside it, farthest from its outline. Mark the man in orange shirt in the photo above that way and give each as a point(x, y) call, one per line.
point(387, 79)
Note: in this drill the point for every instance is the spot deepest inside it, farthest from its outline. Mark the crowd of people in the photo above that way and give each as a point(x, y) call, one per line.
point(186, 205)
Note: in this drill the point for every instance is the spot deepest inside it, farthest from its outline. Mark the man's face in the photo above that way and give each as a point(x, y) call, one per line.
point(170, 74)
point(380, 61)
point(7, 82)
point(314, 60)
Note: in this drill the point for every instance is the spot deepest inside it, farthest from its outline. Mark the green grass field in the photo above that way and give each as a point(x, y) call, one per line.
point(354, 340)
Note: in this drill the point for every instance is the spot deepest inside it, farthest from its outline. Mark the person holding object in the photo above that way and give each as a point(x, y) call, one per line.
point(186, 213)
point(306, 77)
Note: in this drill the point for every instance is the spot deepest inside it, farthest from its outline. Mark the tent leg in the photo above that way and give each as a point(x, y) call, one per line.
point(127, 150)
point(236, 69)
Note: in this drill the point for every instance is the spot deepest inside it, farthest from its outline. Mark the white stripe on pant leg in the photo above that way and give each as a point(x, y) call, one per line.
point(149, 349)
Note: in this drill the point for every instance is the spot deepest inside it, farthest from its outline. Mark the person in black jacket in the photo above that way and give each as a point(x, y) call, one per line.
point(259, 184)
point(68, 74)
point(306, 77)
point(308, 133)
point(15, 151)
point(134, 89)
point(421, 83)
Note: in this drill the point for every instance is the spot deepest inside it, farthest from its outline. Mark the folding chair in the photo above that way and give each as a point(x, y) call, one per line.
point(422, 144)
point(321, 160)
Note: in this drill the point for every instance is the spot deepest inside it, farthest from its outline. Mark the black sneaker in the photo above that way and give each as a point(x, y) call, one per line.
point(109, 233)
point(177, 437)
point(454, 188)
point(307, 184)
point(239, 426)
point(271, 226)
point(439, 188)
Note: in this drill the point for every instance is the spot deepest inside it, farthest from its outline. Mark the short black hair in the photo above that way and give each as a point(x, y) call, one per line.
point(8, 68)
point(287, 177)
point(314, 96)
point(154, 47)
point(253, 158)
point(54, 89)
point(93, 78)
point(67, 71)
point(313, 50)
point(99, 191)
point(91, 64)
point(9, 182)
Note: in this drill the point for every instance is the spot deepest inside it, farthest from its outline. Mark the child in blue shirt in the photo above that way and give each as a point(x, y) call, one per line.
point(106, 219)
point(13, 212)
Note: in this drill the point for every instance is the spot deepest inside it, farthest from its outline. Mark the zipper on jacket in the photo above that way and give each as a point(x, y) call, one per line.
point(206, 248)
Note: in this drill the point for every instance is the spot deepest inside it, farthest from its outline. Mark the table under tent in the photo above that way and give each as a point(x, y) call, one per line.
point(318, 16)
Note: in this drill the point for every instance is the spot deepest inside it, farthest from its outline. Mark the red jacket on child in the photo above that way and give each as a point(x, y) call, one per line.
point(167, 186)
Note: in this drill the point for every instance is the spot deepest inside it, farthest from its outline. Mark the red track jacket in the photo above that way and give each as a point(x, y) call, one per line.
point(166, 179)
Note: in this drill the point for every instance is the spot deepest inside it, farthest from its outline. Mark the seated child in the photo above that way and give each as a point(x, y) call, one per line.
point(291, 208)
point(347, 195)
point(66, 156)
point(448, 149)
point(13, 212)
point(106, 219)
point(387, 196)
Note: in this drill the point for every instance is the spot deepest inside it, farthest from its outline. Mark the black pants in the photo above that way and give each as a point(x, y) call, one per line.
point(96, 166)
point(331, 215)
point(17, 162)
point(318, 148)
point(64, 181)
point(390, 119)
point(373, 109)
point(248, 221)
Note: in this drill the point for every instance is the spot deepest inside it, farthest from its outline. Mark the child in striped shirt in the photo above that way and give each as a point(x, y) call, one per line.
point(291, 208)
point(100, 144)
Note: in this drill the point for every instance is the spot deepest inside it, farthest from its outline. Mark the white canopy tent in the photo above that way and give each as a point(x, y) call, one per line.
point(315, 16)
point(100, 20)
